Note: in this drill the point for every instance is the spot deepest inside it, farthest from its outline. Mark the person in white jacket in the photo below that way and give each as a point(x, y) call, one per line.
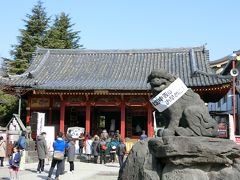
point(88, 147)
point(2, 150)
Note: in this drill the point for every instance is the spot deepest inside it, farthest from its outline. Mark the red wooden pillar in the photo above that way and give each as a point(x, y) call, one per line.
point(88, 116)
point(62, 116)
point(28, 116)
point(123, 112)
point(50, 112)
point(28, 112)
point(50, 116)
point(150, 121)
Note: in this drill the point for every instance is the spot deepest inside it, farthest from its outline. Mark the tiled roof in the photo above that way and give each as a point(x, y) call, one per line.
point(68, 69)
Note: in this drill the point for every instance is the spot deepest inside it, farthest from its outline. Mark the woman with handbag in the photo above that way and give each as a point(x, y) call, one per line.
point(2, 150)
point(42, 151)
point(95, 148)
point(59, 146)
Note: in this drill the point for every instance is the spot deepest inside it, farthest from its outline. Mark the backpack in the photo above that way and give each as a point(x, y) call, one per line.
point(103, 147)
point(22, 143)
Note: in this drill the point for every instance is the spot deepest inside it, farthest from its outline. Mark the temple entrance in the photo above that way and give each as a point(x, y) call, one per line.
point(105, 118)
point(136, 121)
point(75, 116)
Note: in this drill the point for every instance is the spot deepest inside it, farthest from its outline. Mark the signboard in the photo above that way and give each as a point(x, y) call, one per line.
point(75, 132)
point(40, 102)
point(237, 139)
point(222, 130)
point(74, 99)
point(231, 128)
point(40, 122)
point(169, 95)
point(50, 136)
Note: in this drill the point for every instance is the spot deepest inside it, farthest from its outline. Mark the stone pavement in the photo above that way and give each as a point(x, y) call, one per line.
point(83, 171)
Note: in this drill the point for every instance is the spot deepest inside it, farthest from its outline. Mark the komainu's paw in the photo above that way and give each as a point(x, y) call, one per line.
point(167, 132)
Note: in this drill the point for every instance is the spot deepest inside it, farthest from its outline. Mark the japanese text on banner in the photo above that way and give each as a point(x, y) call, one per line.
point(169, 95)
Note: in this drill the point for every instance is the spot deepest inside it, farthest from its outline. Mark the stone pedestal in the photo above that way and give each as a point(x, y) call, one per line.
point(31, 153)
point(183, 158)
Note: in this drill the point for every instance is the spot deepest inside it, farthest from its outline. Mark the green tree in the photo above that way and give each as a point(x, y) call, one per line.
point(18, 66)
point(8, 106)
point(32, 36)
point(61, 35)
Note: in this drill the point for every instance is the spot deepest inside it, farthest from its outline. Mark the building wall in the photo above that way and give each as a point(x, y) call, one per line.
point(224, 105)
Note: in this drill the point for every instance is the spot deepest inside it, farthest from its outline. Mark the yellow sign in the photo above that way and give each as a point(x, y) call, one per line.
point(40, 102)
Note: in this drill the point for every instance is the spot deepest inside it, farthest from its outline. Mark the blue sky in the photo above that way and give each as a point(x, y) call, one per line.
point(131, 24)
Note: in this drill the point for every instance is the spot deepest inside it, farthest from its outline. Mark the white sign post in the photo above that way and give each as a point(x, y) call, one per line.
point(40, 122)
point(169, 95)
point(50, 136)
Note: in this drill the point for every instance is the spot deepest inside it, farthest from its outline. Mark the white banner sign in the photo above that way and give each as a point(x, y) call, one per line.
point(169, 95)
point(75, 132)
point(50, 136)
point(40, 122)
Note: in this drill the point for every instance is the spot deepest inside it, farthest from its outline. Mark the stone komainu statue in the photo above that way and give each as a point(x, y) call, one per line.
point(188, 116)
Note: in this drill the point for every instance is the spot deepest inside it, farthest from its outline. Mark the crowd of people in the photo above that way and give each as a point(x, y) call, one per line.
point(92, 148)
point(105, 145)
point(103, 148)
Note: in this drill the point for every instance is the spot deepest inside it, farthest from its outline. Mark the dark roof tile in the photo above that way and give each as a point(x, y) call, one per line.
point(64, 69)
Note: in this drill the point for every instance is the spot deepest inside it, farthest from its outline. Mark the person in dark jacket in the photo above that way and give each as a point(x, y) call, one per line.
point(96, 148)
point(113, 147)
point(103, 150)
point(62, 169)
point(81, 144)
point(118, 136)
point(71, 153)
point(42, 151)
point(59, 147)
point(121, 150)
point(14, 162)
point(22, 144)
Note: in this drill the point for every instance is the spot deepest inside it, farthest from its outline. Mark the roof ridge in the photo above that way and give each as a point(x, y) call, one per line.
point(120, 51)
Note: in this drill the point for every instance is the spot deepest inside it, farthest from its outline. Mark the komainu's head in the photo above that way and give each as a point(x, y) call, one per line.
point(160, 79)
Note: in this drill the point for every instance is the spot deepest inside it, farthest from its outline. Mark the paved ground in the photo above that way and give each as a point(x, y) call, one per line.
point(83, 171)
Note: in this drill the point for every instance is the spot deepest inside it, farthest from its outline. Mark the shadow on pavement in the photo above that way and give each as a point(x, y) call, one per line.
point(111, 165)
point(42, 176)
point(107, 173)
point(31, 170)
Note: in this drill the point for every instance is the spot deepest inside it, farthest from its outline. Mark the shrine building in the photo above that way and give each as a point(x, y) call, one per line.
point(108, 89)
